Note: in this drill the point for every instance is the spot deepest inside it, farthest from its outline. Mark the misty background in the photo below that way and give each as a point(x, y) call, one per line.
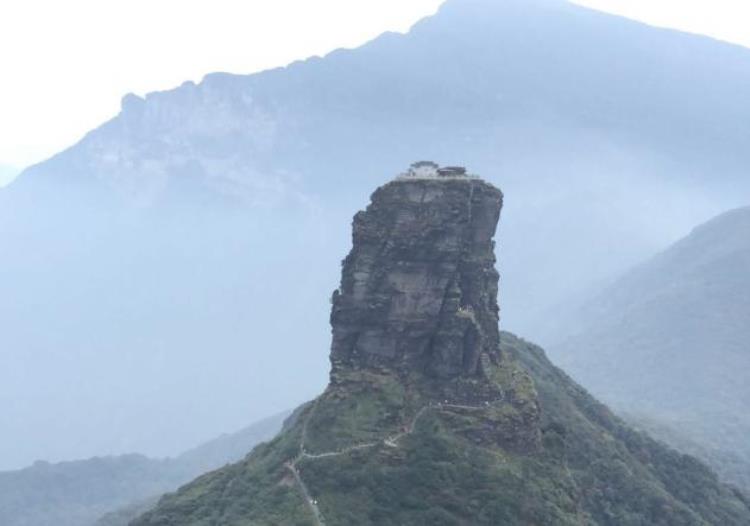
point(166, 279)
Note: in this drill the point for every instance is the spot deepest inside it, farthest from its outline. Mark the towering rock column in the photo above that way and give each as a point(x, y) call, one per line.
point(419, 289)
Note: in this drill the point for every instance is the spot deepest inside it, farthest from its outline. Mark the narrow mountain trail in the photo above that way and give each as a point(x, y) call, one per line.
point(311, 504)
point(390, 441)
point(292, 466)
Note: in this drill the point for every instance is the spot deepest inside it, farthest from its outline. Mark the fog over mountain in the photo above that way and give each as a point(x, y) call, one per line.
point(142, 267)
point(7, 173)
point(668, 344)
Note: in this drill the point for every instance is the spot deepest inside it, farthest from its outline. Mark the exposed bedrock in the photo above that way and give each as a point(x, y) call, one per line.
point(419, 288)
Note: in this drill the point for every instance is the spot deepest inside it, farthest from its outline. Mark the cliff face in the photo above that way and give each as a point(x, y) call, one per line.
point(431, 418)
point(415, 320)
point(419, 288)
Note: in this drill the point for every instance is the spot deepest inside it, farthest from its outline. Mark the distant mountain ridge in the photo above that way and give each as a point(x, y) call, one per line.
point(7, 174)
point(668, 344)
point(164, 232)
point(79, 493)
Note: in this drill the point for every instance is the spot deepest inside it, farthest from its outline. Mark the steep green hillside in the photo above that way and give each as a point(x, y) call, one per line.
point(625, 476)
point(431, 417)
point(432, 464)
point(668, 344)
point(732, 465)
point(125, 515)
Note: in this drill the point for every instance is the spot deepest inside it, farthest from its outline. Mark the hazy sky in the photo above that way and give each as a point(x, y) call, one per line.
point(65, 65)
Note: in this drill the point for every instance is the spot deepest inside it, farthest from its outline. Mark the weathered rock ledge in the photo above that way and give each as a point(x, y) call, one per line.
point(419, 288)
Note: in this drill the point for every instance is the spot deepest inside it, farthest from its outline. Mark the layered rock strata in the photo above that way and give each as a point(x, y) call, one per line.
point(419, 288)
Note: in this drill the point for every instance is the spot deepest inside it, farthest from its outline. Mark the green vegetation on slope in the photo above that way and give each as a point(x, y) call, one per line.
point(625, 477)
point(257, 490)
point(667, 344)
point(731, 465)
point(413, 460)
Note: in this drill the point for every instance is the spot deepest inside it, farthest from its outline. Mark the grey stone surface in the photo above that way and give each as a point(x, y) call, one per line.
point(419, 288)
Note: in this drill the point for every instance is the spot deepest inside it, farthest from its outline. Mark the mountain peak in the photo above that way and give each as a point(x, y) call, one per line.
point(419, 287)
point(431, 417)
point(475, 7)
